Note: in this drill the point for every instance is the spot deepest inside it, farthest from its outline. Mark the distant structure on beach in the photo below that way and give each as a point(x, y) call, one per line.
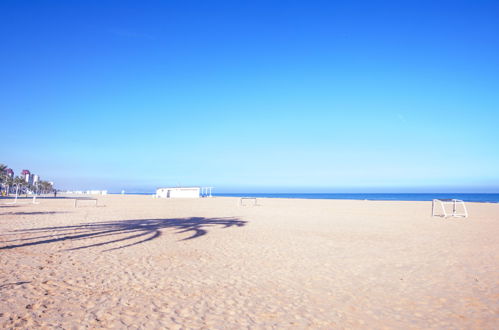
point(183, 192)
point(96, 192)
point(187, 192)
point(86, 192)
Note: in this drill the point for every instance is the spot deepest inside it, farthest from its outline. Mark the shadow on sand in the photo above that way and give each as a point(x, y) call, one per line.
point(31, 213)
point(125, 232)
point(13, 284)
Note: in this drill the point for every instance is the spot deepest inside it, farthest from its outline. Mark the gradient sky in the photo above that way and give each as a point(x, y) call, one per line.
point(265, 96)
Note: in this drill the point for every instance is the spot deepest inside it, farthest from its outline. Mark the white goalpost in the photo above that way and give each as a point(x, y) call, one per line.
point(247, 201)
point(17, 196)
point(449, 208)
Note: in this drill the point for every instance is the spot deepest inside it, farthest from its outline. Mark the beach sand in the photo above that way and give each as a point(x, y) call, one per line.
point(140, 262)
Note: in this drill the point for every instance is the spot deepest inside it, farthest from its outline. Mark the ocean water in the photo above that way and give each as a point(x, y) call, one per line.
point(467, 197)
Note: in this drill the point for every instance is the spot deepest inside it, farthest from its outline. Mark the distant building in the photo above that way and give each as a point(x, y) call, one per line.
point(36, 178)
point(9, 172)
point(96, 192)
point(184, 192)
point(27, 176)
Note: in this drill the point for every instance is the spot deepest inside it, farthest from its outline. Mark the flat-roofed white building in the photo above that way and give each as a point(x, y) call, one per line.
point(179, 192)
point(96, 192)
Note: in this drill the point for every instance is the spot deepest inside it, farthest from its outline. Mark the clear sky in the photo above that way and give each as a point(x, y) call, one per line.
point(256, 96)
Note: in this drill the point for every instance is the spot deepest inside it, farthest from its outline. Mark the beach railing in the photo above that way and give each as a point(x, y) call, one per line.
point(243, 201)
point(458, 208)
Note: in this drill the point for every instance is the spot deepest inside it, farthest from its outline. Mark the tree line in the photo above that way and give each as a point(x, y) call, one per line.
point(18, 184)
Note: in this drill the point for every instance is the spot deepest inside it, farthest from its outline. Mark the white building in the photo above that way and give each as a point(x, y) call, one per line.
point(96, 192)
point(184, 192)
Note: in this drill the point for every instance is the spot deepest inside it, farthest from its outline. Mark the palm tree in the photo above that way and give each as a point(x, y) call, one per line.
point(20, 183)
point(44, 187)
point(3, 175)
point(8, 182)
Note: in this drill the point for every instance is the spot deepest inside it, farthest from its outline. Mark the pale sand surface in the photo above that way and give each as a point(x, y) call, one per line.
point(140, 262)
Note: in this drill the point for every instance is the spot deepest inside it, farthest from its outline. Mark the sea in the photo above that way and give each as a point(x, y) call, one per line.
point(467, 197)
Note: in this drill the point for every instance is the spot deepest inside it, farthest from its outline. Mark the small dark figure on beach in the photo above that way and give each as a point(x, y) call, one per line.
point(55, 193)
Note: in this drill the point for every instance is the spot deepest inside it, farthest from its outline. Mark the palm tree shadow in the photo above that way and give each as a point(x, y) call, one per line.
point(124, 232)
point(31, 213)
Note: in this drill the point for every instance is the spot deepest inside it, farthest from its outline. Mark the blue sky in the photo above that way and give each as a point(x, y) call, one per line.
point(257, 96)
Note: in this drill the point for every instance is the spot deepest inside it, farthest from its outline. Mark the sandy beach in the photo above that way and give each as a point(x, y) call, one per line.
point(139, 262)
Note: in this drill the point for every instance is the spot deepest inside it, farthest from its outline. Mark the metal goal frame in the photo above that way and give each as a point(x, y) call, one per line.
point(457, 212)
